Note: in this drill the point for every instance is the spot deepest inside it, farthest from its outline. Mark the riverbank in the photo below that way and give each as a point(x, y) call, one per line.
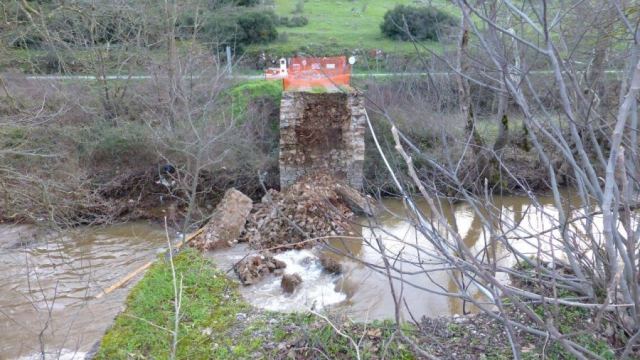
point(213, 300)
point(98, 159)
point(215, 322)
point(221, 323)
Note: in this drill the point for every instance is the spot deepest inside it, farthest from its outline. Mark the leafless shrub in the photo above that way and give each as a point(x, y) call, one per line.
point(532, 57)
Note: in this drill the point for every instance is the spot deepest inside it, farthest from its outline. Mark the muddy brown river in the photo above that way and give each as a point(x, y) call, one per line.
point(48, 282)
point(363, 293)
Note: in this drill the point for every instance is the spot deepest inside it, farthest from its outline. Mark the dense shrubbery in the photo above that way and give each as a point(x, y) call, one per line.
point(87, 28)
point(422, 23)
point(225, 22)
point(218, 4)
point(247, 2)
point(258, 27)
point(28, 38)
point(240, 29)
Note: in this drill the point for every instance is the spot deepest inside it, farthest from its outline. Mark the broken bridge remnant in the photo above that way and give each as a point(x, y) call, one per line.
point(322, 132)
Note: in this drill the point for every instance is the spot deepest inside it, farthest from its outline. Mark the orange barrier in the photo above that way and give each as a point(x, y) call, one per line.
point(307, 73)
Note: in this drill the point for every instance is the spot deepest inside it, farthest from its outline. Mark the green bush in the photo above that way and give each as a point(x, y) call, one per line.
point(219, 4)
point(237, 29)
point(422, 23)
point(51, 62)
point(105, 144)
point(259, 27)
point(223, 30)
point(298, 21)
point(283, 21)
point(248, 2)
point(299, 9)
point(27, 38)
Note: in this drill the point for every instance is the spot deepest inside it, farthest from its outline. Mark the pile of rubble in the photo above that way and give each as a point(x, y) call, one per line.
point(313, 207)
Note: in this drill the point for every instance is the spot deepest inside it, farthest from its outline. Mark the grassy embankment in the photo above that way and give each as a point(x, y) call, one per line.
point(335, 28)
point(339, 27)
point(216, 323)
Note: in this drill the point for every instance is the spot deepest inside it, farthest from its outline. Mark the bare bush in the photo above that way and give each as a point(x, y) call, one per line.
point(584, 256)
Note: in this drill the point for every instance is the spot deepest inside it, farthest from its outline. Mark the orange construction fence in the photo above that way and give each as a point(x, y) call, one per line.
point(307, 73)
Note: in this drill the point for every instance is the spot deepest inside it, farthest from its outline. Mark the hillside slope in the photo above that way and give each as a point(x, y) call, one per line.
point(339, 26)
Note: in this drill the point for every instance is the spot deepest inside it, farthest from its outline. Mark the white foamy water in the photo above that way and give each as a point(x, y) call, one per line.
point(318, 288)
point(63, 354)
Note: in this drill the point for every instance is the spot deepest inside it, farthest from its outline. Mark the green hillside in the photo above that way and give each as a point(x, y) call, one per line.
point(335, 27)
point(338, 26)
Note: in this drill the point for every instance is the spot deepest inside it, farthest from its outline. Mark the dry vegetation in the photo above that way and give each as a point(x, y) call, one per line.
point(70, 157)
point(528, 105)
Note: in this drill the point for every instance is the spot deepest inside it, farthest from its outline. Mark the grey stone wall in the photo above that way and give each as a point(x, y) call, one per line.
point(322, 132)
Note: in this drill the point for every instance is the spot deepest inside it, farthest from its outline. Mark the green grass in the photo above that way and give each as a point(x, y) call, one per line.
point(243, 93)
point(210, 304)
point(210, 327)
point(570, 321)
point(337, 27)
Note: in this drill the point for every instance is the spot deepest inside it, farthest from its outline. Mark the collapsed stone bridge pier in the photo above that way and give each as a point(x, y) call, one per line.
point(322, 133)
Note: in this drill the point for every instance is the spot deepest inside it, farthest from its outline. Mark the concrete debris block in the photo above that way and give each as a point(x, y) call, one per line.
point(253, 268)
point(227, 222)
point(290, 282)
point(359, 204)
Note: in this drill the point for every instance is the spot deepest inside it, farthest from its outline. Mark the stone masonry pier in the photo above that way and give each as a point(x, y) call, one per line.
point(322, 133)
